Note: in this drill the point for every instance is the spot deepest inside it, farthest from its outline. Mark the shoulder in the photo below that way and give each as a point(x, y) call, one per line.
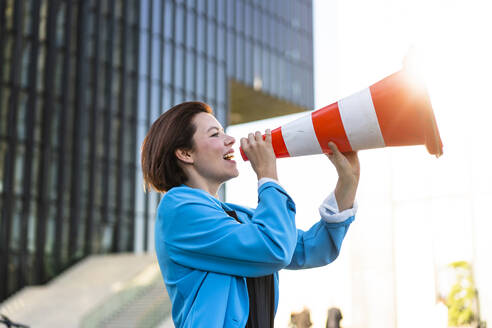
point(184, 198)
point(183, 208)
point(184, 194)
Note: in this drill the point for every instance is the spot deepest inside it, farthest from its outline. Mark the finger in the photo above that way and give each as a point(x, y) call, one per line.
point(244, 142)
point(352, 155)
point(251, 138)
point(258, 136)
point(268, 136)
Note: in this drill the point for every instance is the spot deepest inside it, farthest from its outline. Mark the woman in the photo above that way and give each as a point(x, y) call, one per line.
point(220, 261)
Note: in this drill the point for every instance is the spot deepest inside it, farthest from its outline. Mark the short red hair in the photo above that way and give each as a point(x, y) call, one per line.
point(173, 130)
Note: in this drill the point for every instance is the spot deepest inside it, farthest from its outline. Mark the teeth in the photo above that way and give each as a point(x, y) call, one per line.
point(229, 156)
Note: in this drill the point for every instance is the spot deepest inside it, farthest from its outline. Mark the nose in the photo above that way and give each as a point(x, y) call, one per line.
point(229, 141)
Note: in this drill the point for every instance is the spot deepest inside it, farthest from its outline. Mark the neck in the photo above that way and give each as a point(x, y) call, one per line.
point(199, 182)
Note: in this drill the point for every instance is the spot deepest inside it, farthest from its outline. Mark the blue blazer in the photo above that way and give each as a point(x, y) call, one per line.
point(205, 255)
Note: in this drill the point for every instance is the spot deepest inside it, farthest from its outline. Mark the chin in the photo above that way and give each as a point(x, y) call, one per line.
point(231, 176)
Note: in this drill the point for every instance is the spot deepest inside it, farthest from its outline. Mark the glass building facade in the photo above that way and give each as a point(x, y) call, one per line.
point(82, 81)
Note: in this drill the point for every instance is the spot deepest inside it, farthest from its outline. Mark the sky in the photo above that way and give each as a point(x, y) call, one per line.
point(416, 213)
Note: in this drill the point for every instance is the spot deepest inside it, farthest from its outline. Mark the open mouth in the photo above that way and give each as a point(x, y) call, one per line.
point(228, 157)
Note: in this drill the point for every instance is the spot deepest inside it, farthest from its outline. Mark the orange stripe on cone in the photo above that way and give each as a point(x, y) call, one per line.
point(278, 145)
point(328, 126)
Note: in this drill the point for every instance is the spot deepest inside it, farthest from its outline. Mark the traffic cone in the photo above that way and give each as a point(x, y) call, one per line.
point(395, 111)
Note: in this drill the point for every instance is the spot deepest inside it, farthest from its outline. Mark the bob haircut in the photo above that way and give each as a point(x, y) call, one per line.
point(173, 130)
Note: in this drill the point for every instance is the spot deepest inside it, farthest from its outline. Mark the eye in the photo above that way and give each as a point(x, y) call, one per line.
point(216, 134)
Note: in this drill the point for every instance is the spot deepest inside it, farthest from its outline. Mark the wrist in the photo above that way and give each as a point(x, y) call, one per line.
point(269, 175)
point(345, 194)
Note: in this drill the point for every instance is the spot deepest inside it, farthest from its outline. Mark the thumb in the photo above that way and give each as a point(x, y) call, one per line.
point(334, 149)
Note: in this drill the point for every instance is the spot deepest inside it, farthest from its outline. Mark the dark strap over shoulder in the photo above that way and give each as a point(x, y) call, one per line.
point(261, 291)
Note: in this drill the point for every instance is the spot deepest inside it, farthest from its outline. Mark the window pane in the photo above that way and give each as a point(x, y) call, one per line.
point(179, 67)
point(19, 165)
point(154, 102)
point(16, 225)
point(231, 58)
point(273, 34)
point(257, 61)
point(240, 58)
point(190, 3)
point(211, 85)
point(201, 34)
point(156, 58)
point(239, 15)
point(179, 28)
point(266, 24)
point(201, 6)
point(231, 11)
point(168, 20)
point(190, 67)
point(166, 99)
point(221, 113)
point(21, 118)
point(297, 14)
point(211, 8)
point(221, 84)
point(189, 95)
point(156, 16)
point(211, 38)
point(200, 76)
point(266, 70)
point(220, 44)
point(26, 52)
point(276, 77)
point(178, 97)
point(3, 149)
point(5, 93)
point(221, 11)
point(190, 29)
point(256, 24)
point(144, 14)
point(8, 44)
point(248, 20)
point(142, 100)
point(248, 63)
point(167, 63)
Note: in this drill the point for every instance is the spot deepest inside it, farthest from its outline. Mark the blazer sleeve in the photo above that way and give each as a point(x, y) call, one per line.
point(319, 245)
point(197, 233)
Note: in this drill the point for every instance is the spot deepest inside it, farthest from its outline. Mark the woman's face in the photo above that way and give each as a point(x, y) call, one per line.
point(212, 153)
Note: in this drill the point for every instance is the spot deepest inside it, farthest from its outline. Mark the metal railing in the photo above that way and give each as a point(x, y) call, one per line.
point(9, 323)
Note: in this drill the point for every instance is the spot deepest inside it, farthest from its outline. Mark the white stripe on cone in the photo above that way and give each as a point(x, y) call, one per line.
point(300, 138)
point(360, 121)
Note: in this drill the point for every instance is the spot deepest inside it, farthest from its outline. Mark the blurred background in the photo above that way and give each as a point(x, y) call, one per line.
point(82, 81)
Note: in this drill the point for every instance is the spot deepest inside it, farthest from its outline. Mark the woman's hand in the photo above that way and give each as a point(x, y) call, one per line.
point(348, 169)
point(260, 154)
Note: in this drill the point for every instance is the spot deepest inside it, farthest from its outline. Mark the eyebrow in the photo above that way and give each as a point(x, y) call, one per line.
point(213, 127)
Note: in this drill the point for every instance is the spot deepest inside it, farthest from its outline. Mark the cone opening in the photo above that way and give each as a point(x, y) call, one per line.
point(433, 141)
point(432, 137)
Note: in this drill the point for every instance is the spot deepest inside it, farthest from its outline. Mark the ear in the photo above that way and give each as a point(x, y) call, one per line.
point(184, 155)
